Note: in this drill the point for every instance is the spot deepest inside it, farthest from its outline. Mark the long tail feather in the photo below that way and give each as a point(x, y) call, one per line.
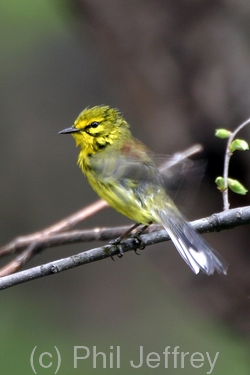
point(196, 252)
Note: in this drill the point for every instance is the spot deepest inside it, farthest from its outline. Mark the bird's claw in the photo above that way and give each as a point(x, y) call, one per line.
point(139, 243)
point(116, 242)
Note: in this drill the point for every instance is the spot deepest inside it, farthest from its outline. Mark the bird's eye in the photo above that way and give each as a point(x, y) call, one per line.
point(94, 124)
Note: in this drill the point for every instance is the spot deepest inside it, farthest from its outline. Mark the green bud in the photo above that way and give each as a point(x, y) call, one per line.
point(222, 133)
point(220, 183)
point(236, 186)
point(239, 144)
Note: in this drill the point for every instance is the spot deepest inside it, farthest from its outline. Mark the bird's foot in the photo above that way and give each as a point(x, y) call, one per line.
point(117, 243)
point(140, 245)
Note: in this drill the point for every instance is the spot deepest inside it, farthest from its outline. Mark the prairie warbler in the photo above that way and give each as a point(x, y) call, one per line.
point(119, 168)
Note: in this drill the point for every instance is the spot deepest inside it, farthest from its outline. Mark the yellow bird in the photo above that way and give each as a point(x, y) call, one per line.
point(119, 168)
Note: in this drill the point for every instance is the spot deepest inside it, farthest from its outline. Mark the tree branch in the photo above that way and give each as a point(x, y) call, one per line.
point(21, 243)
point(214, 223)
point(227, 158)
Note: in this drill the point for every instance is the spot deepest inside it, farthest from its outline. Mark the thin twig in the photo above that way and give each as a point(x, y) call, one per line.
point(21, 243)
point(178, 157)
point(227, 158)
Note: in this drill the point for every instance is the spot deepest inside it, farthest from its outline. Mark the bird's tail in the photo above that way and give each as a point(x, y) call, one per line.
point(196, 252)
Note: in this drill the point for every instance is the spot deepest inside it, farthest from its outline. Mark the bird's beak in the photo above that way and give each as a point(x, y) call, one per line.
point(69, 130)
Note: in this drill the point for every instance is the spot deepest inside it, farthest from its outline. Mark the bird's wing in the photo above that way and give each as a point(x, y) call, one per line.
point(135, 169)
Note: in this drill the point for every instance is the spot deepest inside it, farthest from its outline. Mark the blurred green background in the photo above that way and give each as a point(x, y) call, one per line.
point(53, 64)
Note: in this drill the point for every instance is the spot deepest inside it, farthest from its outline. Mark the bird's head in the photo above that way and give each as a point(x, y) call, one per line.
point(98, 127)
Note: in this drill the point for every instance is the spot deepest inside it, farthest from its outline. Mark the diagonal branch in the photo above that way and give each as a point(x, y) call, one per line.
point(21, 243)
point(214, 223)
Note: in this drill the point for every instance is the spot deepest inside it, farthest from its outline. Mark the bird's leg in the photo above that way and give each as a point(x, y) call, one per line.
point(120, 238)
point(137, 236)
